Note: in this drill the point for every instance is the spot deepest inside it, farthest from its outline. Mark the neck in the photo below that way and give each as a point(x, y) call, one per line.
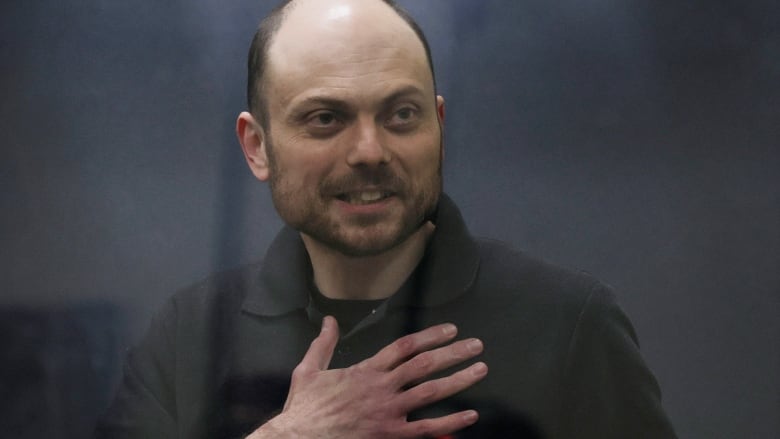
point(339, 276)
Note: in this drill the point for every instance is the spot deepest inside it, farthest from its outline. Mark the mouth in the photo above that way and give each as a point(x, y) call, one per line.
point(360, 198)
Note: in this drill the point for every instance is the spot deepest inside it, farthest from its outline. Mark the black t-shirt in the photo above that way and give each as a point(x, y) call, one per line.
point(347, 312)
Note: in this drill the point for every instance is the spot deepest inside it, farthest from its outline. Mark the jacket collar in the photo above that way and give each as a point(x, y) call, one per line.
point(446, 271)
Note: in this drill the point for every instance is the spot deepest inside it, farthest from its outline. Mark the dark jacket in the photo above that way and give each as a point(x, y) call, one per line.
point(563, 358)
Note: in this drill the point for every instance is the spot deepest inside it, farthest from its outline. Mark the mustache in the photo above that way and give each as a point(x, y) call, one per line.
point(383, 178)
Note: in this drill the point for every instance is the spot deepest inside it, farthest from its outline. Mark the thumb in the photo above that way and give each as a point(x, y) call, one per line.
point(321, 350)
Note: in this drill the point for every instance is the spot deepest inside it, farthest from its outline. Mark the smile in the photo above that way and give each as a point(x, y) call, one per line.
point(364, 197)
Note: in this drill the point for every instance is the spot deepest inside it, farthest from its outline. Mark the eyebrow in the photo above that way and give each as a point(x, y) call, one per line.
point(402, 93)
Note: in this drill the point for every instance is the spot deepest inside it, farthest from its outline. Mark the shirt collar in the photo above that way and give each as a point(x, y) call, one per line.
point(447, 270)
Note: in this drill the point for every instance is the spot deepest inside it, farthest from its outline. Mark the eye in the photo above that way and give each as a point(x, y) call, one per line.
point(323, 123)
point(404, 118)
point(323, 119)
point(405, 113)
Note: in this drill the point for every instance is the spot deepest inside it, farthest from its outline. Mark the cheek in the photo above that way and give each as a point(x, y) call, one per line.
point(429, 163)
point(425, 157)
point(304, 170)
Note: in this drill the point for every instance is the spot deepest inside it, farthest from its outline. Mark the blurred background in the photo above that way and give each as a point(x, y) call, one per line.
point(635, 140)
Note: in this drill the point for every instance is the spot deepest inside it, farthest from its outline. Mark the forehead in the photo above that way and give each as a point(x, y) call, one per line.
point(351, 45)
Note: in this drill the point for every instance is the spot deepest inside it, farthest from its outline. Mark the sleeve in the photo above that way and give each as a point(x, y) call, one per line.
point(609, 390)
point(144, 406)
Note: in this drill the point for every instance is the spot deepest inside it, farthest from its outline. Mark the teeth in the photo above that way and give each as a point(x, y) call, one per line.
point(365, 197)
point(370, 196)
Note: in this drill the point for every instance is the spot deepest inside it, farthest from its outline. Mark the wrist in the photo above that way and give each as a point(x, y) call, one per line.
point(275, 428)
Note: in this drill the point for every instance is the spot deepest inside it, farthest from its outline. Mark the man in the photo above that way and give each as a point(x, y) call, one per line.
point(346, 127)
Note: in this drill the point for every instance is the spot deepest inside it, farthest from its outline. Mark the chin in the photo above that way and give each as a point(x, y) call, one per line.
point(367, 241)
point(368, 246)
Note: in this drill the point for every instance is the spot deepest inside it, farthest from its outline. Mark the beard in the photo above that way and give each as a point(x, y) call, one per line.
point(309, 211)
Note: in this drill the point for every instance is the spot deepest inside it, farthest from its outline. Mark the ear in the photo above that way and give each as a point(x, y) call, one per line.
point(252, 139)
point(440, 109)
point(440, 114)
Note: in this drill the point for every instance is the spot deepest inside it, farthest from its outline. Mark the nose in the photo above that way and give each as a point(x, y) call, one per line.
point(367, 148)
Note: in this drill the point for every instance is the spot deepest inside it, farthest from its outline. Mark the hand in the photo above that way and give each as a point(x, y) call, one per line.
point(371, 399)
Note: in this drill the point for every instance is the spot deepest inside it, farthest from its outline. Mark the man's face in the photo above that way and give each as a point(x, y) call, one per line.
point(354, 143)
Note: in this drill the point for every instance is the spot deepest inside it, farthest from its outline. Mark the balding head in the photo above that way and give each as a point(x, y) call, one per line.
point(324, 13)
point(348, 126)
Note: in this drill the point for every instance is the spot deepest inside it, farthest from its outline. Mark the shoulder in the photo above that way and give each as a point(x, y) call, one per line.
point(220, 293)
point(511, 271)
point(581, 306)
point(517, 287)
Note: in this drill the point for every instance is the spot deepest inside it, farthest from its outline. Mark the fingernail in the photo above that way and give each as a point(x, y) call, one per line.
point(449, 329)
point(474, 346)
point(479, 369)
point(328, 321)
point(470, 416)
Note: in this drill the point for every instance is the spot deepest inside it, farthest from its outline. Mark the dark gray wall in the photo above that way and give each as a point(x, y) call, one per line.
point(635, 140)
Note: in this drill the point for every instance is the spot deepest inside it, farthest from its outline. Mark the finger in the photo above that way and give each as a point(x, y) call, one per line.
point(426, 363)
point(435, 427)
point(431, 391)
point(407, 346)
point(428, 229)
point(321, 350)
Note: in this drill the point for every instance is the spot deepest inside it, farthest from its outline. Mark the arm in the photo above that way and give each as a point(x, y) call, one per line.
point(376, 393)
point(372, 398)
point(144, 404)
point(610, 392)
